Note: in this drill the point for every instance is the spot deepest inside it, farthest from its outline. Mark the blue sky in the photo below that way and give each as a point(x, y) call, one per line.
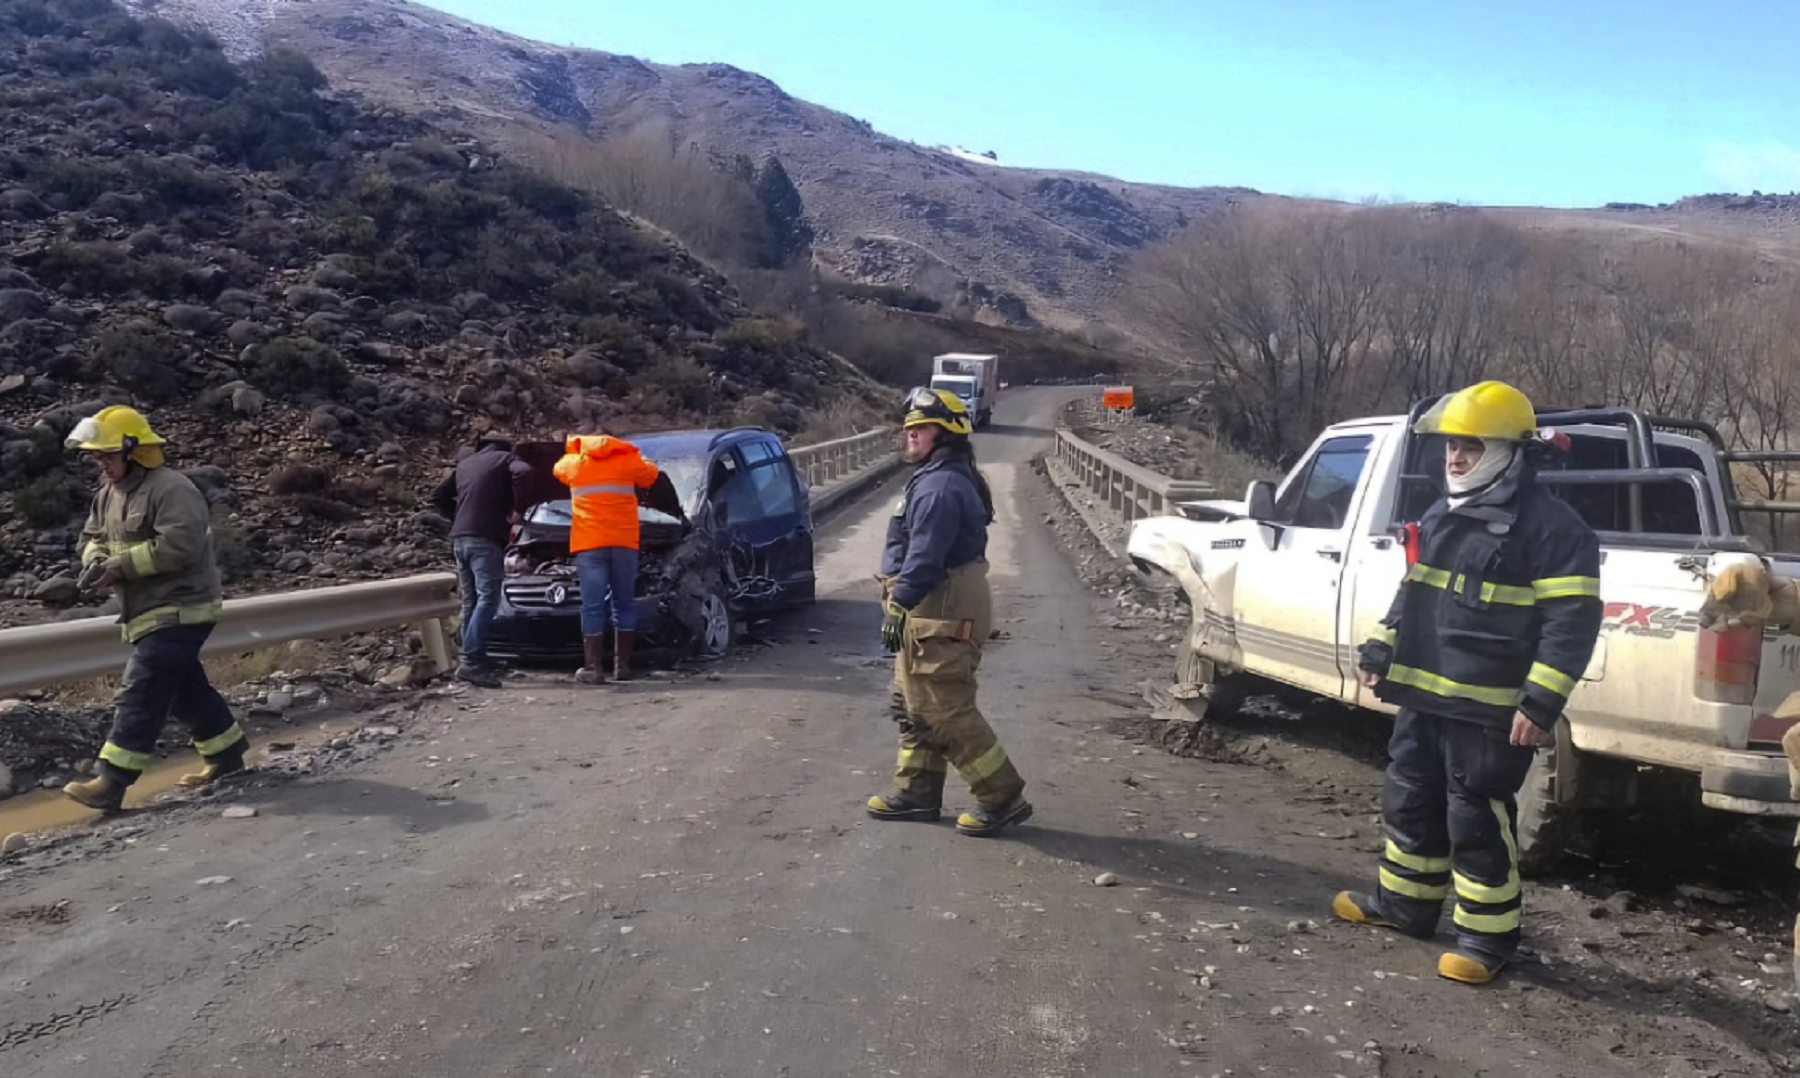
point(1527, 103)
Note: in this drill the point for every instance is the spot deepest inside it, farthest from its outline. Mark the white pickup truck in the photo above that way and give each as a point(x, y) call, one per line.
point(1287, 584)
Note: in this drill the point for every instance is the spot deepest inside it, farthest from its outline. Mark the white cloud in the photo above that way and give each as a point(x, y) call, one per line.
point(1770, 165)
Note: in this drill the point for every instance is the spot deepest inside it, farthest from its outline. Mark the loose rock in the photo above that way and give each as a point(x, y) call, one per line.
point(1106, 879)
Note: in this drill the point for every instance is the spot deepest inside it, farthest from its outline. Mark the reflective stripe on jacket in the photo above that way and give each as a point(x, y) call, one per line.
point(155, 528)
point(1501, 612)
point(603, 475)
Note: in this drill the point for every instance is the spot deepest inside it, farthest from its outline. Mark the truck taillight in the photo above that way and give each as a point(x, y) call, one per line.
point(1725, 666)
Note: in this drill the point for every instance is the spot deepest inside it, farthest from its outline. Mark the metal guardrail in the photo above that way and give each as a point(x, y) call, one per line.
point(40, 655)
point(826, 462)
point(1130, 490)
point(37, 656)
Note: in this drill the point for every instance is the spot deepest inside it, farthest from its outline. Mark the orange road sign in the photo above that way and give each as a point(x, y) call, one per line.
point(1118, 397)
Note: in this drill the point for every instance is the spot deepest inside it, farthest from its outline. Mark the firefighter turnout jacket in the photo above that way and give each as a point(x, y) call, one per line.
point(1499, 612)
point(603, 475)
point(940, 524)
point(155, 528)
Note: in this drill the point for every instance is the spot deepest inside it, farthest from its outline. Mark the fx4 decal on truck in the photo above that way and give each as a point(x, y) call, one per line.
point(1658, 621)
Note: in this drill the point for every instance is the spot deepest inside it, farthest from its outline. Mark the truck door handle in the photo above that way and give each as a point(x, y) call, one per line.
point(1330, 554)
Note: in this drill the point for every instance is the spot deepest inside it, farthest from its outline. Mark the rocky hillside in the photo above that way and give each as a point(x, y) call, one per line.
point(1026, 246)
point(318, 302)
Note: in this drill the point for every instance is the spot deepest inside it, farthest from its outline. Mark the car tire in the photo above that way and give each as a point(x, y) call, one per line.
point(717, 624)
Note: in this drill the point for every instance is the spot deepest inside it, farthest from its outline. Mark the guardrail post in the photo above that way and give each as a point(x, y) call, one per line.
point(437, 647)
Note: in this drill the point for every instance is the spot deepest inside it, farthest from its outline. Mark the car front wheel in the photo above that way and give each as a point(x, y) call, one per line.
point(714, 637)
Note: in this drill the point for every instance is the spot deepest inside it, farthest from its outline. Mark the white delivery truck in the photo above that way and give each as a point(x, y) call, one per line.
point(1288, 583)
point(974, 378)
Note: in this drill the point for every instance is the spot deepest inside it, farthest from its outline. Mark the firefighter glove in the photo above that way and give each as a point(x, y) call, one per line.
point(97, 578)
point(893, 627)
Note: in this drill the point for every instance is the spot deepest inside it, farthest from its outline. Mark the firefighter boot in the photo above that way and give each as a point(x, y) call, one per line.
point(1466, 967)
point(904, 805)
point(593, 671)
point(1361, 909)
point(230, 762)
point(623, 641)
point(102, 792)
point(985, 822)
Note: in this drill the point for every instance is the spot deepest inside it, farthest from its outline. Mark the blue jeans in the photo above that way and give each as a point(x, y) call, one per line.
point(608, 578)
point(480, 567)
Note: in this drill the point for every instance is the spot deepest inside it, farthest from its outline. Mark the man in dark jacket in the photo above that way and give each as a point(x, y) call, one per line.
point(485, 494)
point(1486, 638)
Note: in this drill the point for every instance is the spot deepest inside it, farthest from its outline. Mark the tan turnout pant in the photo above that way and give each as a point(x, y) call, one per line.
point(934, 696)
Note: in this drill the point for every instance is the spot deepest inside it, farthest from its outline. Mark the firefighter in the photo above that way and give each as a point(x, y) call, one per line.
point(1482, 646)
point(938, 612)
point(149, 537)
point(604, 475)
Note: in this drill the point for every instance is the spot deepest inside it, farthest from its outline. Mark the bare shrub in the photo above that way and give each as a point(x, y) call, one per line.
point(644, 171)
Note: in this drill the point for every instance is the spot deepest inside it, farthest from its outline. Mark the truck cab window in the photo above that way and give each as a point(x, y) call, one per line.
point(1319, 495)
point(1669, 508)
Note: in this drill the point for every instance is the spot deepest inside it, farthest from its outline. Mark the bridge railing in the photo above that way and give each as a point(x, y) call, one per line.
point(1130, 490)
point(827, 462)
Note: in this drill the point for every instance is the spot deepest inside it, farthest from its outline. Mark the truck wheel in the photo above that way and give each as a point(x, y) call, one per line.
point(1549, 808)
point(1228, 695)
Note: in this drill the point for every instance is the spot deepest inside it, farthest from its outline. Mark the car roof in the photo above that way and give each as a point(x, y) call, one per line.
point(696, 442)
point(677, 443)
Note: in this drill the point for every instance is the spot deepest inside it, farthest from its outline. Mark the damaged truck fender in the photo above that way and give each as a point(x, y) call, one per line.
point(1173, 545)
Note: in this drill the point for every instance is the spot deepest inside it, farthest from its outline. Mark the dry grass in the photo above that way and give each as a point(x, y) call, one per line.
point(841, 418)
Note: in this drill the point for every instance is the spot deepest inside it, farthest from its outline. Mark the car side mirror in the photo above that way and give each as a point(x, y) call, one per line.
point(1259, 506)
point(1259, 500)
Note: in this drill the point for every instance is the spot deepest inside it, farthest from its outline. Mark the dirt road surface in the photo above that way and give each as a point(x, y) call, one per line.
point(675, 878)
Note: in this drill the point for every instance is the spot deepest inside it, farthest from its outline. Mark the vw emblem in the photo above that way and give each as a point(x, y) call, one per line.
point(558, 595)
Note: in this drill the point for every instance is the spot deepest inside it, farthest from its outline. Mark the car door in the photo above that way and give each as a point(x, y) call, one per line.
point(758, 507)
point(1289, 589)
point(784, 496)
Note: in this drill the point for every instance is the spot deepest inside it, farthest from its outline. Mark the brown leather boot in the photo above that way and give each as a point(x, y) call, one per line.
point(622, 646)
point(593, 671)
point(102, 792)
point(214, 769)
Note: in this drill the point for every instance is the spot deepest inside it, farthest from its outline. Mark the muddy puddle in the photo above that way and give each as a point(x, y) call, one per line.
point(272, 739)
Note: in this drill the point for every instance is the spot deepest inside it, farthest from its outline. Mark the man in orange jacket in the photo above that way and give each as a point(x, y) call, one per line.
point(604, 475)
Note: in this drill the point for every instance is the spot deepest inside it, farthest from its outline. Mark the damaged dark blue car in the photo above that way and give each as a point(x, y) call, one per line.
point(728, 537)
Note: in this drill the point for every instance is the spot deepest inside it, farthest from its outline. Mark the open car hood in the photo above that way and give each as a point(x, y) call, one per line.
point(545, 487)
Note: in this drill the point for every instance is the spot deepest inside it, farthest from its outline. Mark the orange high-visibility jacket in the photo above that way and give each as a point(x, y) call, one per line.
point(603, 475)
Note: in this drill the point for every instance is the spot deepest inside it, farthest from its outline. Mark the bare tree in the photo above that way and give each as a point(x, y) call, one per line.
point(1759, 395)
point(1545, 316)
point(1278, 310)
point(1444, 301)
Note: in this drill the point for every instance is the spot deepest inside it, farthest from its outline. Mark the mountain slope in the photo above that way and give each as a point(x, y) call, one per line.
point(1027, 245)
point(319, 303)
